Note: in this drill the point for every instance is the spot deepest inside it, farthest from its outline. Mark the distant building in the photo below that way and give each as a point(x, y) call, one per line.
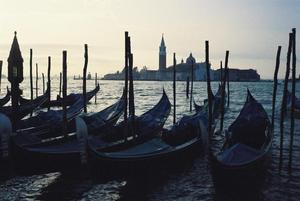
point(162, 55)
point(183, 70)
point(120, 75)
point(149, 74)
point(249, 75)
point(89, 77)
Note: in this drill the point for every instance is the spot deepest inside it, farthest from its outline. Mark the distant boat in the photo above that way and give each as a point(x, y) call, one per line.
point(89, 77)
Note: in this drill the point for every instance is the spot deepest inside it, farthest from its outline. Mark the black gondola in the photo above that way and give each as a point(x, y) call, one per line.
point(51, 118)
point(247, 144)
point(5, 99)
point(70, 99)
point(50, 122)
point(179, 143)
point(216, 104)
point(24, 109)
point(5, 133)
point(65, 154)
point(52, 125)
point(146, 126)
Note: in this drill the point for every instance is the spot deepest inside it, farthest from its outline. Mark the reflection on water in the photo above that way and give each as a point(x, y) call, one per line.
point(192, 181)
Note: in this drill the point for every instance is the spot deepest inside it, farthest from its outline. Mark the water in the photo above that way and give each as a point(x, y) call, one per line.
point(189, 182)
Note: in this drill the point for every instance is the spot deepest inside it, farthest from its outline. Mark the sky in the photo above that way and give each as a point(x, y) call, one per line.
point(250, 29)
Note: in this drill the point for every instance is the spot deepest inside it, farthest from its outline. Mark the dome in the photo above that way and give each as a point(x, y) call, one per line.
point(190, 59)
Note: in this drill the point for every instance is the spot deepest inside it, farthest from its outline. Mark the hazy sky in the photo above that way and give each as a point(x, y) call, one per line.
point(250, 29)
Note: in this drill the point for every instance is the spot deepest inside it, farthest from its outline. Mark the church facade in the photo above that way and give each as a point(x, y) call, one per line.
point(183, 69)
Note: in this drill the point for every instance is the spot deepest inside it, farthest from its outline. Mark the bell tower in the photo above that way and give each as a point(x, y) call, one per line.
point(162, 55)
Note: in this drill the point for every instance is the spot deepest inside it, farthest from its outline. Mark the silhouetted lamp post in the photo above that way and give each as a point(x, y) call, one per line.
point(15, 75)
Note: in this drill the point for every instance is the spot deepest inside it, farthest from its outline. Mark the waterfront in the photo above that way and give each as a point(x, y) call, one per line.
point(189, 182)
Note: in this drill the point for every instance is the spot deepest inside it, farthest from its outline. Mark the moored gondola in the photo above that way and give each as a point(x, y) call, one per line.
point(69, 100)
point(146, 125)
point(52, 121)
point(181, 142)
point(63, 154)
point(24, 109)
point(51, 118)
point(5, 133)
point(216, 104)
point(52, 127)
point(248, 141)
point(175, 145)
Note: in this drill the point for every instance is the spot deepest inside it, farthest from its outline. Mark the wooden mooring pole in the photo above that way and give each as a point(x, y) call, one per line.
point(64, 92)
point(174, 88)
point(284, 97)
point(84, 77)
point(275, 84)
point(1, 62)
point(187, 86)
point(126, 87)
point(43, 77)
point(223, 83)
point(208, 88)
point(192, 85)
point(293, 98)
point(60, 77)
point(96, 83)
point(131, 128)
point(49, 81)
point(131, 96)
point(30, 74)
point(36, 79)
point(221, 72)
point(228, 91)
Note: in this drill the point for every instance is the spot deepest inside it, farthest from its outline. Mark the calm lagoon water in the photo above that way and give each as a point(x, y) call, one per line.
point(192, 182)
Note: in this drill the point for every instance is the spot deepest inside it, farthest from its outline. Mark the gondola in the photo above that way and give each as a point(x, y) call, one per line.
point(178, 144)
point(24, 109)
point(51, 117)
point(70, 99)
point(62, 154)
point(146, 126)
point(5, 99)
point(216, 104)
point(245, 150)
point(49, 124)
point(5, 133)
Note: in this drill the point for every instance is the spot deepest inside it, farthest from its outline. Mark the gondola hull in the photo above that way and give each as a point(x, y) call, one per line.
point(239, 175)
point(167, 151)
point(25, 109)
point(105, 166)
point(70, 99)
point(238, 169)
point(34, 156)
point(30, 162)
point(239, 183)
